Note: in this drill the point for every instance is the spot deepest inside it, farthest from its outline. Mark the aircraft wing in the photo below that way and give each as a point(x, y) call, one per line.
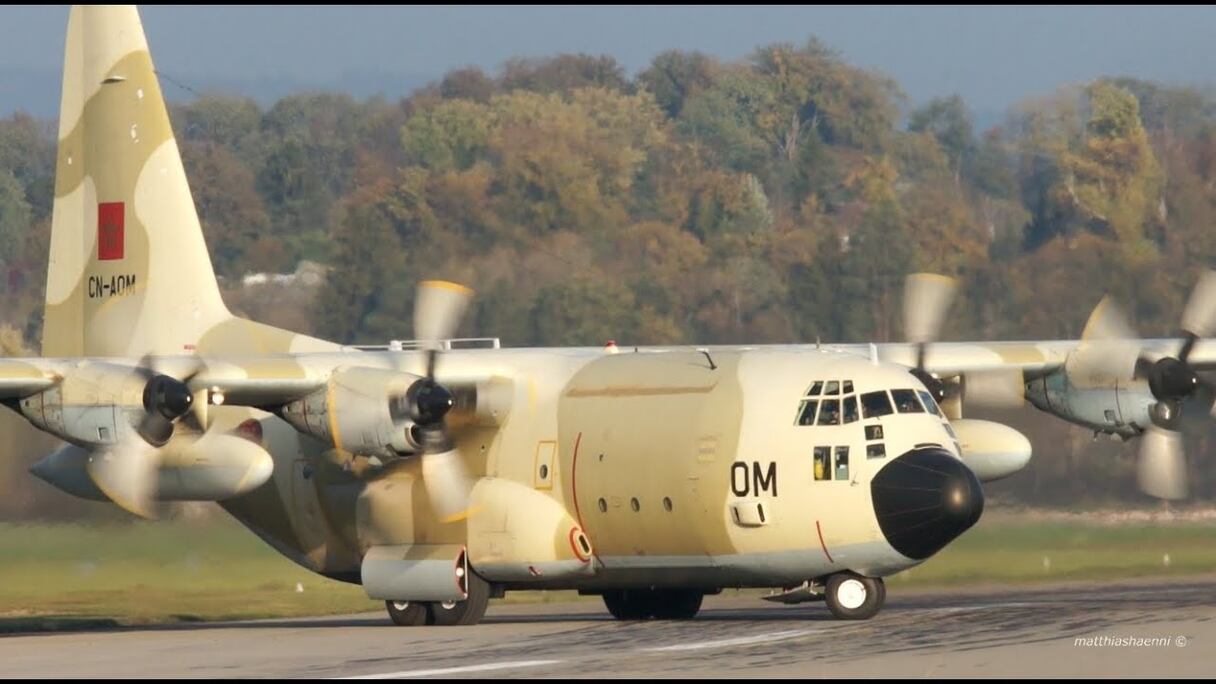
point(1033, 358)
point(947, 359)
point(253, 381)
point(262, 381)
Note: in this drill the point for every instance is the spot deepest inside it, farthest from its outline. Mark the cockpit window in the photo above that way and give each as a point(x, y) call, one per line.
point(816, 389)
point(875, 404)
point(847, 387)
point(905, 401)
point(850, 409)
point(832, 388)
point(806, 413)
point(930, 405)
point(830, 414)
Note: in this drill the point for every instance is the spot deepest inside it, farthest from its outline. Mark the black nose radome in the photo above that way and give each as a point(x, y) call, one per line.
point(924, 499)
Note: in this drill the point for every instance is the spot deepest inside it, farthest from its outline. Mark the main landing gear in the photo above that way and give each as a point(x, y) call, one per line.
point(445, 613)
point(660, 604)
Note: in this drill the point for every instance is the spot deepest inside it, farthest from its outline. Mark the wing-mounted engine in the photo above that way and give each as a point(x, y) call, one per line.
point(98, 404)
point(366, 411)
point(1121, 407)
point(382, 413)
point(137, 435)
point(1116, 383)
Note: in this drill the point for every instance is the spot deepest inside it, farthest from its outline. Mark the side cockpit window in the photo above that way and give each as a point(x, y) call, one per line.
point(816, 389)
point(875, 404)
point(842, 463)
point(806, 412)
point(930, 405)
point(906, 401)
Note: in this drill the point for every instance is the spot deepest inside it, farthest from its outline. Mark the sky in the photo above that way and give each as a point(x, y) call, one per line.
point(991, 56)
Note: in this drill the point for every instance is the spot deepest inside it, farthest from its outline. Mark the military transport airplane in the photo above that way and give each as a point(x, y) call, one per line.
point(438, 476)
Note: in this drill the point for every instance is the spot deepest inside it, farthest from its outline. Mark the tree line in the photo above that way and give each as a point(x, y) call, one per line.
point(779, 198)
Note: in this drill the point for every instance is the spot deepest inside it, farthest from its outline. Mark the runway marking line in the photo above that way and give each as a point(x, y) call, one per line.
point(984, 606)
point(737, 641)
point(456, 670)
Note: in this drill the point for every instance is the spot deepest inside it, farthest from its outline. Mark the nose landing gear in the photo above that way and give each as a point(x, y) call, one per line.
point(852, 597)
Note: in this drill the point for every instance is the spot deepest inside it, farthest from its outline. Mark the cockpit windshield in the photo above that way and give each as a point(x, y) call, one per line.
point(906, 401)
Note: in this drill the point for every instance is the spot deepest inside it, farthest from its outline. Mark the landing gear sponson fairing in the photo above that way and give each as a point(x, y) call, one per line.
point(438, 478)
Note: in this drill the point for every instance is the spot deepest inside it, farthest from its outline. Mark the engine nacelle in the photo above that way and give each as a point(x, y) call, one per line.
point(1120, 409)
point(360, 410)
point(93, 405)
point(991, 450)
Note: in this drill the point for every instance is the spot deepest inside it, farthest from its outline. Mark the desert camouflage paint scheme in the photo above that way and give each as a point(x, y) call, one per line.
point(656, 467)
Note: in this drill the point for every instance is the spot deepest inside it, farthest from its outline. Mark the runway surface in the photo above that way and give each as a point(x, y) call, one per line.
point(1156, 628)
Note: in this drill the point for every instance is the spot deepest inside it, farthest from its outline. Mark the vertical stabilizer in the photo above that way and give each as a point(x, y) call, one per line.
point(129, 272)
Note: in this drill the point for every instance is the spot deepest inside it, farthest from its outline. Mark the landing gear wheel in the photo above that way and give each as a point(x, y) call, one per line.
point(676, 604)
point(467, 612)
point(661, 604)
point(852, 597)
point(408, 613)
point(628, 604)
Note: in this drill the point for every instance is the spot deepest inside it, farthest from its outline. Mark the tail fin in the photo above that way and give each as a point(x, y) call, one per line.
point(129, 272)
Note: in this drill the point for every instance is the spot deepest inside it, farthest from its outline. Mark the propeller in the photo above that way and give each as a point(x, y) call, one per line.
point(1112, 349)
point(927, 299)
point(438, 309)
point(1161, 464)
point(126, 471)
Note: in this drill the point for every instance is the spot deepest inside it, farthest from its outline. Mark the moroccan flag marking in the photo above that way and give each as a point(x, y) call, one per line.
point(110, 222)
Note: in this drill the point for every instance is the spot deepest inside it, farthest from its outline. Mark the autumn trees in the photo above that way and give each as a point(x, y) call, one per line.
point(778, 198)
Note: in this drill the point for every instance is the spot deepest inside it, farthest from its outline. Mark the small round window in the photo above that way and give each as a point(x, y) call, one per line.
point(603, 506)
point(633, 503)
point(667, 503)
point(544, 472)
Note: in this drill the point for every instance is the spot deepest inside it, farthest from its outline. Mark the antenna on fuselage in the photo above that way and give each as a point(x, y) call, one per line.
point(710, 359)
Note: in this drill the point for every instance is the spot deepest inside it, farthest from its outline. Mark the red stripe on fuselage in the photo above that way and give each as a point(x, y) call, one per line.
point(821, 544)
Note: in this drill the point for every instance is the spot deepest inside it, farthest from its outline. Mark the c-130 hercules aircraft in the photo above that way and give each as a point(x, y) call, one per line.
point(439, 477)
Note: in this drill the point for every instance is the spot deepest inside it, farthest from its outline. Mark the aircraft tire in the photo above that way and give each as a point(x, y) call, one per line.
point(852, 597)
point(408, 613)
point(629, 604)
point(676, 604)
point(467, 612)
